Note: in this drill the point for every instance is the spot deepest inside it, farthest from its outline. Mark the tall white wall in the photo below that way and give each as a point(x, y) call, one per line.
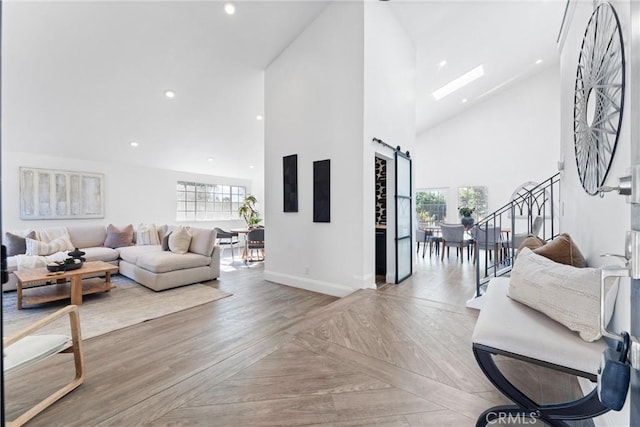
point(133, 194)
point(346, 79)
point(598, 225)
point(314, 108)
point(511, 138)
point(389, 114)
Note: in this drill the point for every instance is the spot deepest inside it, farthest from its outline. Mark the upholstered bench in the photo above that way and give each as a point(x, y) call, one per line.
point(508, 328)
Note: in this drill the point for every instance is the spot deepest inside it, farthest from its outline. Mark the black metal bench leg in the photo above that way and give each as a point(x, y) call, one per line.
point(588, 406)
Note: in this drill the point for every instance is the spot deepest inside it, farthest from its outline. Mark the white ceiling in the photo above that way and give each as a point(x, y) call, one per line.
point(507, 37)
point(83, 79)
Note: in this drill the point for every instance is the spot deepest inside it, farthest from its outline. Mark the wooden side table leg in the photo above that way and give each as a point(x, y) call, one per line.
point(76, 290)
point(19, 290)
point(107, 279)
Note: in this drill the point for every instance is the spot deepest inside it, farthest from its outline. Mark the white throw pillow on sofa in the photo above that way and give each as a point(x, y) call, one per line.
point(569, 295)
point(179, 240)
point(147, 234)
point(36, 247)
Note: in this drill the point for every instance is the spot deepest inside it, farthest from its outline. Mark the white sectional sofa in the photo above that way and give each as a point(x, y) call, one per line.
point(148, 264)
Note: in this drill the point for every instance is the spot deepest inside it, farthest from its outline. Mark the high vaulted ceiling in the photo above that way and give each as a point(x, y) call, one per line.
point(84, 79)
point(507, 37)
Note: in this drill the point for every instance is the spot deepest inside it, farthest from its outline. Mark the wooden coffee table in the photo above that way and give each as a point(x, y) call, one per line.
point(55, 286)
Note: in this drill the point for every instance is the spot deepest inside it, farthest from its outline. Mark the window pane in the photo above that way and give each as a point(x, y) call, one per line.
point(404, 173)
point(205, 202)
point(474, 198)
point(431, 205)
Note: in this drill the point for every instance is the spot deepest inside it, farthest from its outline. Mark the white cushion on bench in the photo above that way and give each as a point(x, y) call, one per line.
point(508, 325)
point(32, 349)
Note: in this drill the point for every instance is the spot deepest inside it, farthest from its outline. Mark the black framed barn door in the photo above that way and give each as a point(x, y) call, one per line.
point(404, 217)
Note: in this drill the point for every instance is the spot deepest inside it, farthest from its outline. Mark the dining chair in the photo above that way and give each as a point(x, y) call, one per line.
point(255, 242)
point(226, 238)
point(26, 348)
point(488, 239)
point(453, 236)
point(518, 238)
point(421, 237)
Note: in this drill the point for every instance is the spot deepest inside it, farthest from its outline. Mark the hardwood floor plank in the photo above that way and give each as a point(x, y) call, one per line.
point(293, 360)
point(283, 387)
point(282, 412)
point(394, 421)
point(445, 418)
point(378, 403)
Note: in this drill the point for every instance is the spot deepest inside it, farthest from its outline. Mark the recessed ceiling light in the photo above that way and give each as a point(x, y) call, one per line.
point(442, 63)
point(464, 100)
point(251, 167)
point(461, 81)
point(210, 159)
point(169, 94)
point(539, 61)
point(229, 8)
point(259, 117)
point(133, 144)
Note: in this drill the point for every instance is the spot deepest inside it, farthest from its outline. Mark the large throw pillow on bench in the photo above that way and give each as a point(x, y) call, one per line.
point(567, 294)
point(532, 242)
point(562, 249)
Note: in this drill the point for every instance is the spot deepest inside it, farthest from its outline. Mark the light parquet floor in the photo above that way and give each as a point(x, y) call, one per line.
point(272, 355)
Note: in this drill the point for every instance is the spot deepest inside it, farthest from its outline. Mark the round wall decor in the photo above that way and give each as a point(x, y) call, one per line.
point(598, 97)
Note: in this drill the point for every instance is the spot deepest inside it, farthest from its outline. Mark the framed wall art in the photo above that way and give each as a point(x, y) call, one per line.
point(56, 194)
point(290, 182)
point(322, 191)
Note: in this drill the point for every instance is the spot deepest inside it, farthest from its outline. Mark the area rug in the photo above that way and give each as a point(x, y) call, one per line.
point(128, 304)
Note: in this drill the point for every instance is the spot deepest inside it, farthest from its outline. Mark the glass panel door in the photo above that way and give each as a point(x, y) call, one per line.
point(404, 230)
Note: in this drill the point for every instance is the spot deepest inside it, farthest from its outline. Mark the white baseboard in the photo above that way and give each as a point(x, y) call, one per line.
point(327, 288)
point(611, 418)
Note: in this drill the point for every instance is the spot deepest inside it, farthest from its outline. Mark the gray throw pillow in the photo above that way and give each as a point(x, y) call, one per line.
point(117, 238)
point(164, 243)
point(17, 245)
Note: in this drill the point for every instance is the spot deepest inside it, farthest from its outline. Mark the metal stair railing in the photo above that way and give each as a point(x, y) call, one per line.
point(515, 220)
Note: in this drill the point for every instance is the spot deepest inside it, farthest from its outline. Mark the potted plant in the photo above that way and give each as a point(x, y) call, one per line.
point(248, 212)
point(466, 218)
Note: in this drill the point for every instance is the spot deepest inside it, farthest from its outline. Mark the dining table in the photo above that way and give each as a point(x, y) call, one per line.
point(245, 251)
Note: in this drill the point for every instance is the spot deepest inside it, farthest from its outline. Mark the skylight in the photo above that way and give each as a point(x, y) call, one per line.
point(458, 83)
